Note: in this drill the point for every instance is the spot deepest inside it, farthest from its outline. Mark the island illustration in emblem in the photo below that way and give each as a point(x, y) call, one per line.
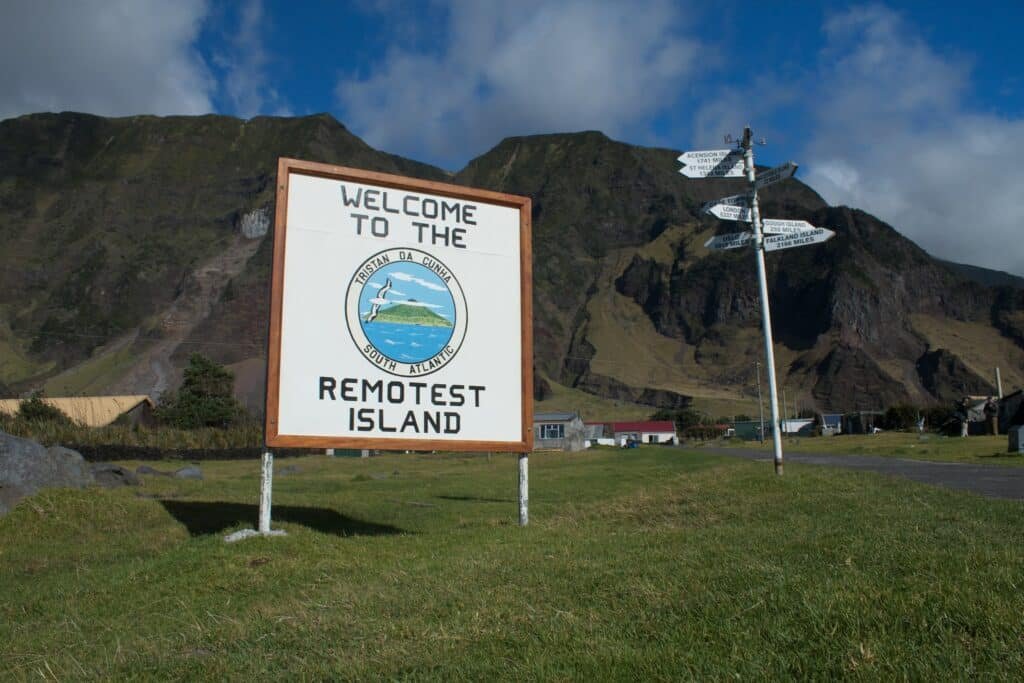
point(407, 312)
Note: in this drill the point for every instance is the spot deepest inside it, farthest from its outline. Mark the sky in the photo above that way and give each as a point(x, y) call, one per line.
point(909, 110)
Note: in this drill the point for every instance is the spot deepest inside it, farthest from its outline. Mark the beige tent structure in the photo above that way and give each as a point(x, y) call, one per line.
point(94, 411)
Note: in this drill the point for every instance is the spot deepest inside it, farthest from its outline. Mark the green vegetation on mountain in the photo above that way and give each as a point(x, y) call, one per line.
point(409, 315)
point(115, 230)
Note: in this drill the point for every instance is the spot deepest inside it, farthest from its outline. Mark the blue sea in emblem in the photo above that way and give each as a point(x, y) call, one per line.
point(407, 343)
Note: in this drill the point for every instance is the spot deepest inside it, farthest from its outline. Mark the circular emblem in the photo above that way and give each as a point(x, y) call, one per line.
point(406, 312)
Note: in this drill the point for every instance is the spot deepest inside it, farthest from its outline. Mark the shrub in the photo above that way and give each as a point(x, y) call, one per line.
point(205, 399)
point(902, 416)
point(35, 409)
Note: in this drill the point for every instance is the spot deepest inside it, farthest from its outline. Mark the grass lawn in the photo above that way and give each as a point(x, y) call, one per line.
point(981, 450)
point(647, 564)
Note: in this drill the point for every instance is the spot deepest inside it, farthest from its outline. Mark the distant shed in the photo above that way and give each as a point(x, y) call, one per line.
point(94, 411)
point(558, 431)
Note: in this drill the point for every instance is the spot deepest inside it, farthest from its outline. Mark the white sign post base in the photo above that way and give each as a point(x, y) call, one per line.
point(524, 490)
point(266, 486)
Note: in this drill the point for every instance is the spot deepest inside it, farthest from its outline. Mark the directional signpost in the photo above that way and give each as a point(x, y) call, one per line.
point(775, 226)
point(775, 175)
point(766, 235)
point(712, 163)
point(797, 239)
point(734, 240)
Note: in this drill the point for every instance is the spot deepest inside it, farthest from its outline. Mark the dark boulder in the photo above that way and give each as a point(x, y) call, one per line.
point(26, 467)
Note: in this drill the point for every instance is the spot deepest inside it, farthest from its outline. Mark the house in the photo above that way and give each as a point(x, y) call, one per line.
point(95, 411)
point(598, 434)
point(861, 422)
point(799, 426)
point(1011, 411)
point(831, 424)
point(558, 431)
point(658, 431)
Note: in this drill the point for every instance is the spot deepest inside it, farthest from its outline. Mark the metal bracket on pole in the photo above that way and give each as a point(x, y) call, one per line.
point(524, 490)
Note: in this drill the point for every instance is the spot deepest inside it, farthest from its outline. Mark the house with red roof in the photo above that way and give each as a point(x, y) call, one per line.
point(650, 431)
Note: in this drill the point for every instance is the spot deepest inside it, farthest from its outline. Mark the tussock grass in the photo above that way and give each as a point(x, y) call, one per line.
point(49, 433)
point(648, 564)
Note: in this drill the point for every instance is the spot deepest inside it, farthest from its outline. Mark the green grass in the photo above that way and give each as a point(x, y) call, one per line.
point(987, 450)
point(651, 564)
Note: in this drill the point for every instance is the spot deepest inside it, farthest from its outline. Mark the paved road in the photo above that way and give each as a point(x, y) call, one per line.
point(994, 481)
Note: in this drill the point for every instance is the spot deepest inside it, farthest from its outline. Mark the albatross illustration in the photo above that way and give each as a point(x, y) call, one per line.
point(381, 297)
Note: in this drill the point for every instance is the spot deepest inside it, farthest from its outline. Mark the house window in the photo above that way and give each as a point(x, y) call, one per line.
point(552, 431)
point(652, 438)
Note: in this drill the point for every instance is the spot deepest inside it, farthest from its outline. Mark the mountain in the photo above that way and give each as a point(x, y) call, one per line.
point(991, 278)
point(405, 314)
point(132, 242)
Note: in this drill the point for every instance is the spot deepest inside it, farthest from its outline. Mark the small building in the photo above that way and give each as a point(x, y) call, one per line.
point(655, 431)
point(1011, 411)
point(799, 426)
point(598, 434)
point(831, 424)
point(558, 431)
point(95, 411)
point(862, 422)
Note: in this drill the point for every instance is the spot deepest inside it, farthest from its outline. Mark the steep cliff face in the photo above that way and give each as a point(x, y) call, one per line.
point(114, 228)
point(104, 220)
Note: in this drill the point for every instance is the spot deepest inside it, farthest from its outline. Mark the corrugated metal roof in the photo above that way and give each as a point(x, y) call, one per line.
point(553, 417)
point(650, 426)
point(91, 411)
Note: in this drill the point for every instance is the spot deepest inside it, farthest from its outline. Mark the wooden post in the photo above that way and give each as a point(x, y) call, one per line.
point(524, 494)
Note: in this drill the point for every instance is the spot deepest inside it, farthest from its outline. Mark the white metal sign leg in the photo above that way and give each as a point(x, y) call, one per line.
point(266, 484)
point(524, 492)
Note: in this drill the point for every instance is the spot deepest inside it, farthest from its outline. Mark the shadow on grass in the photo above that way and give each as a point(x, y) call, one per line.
point(477, 499)
point(204, 517)
point(1003, 455)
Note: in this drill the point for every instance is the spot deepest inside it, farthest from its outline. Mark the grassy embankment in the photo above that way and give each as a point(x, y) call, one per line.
point(980, 450)
point(649, 564)
point(50, 433)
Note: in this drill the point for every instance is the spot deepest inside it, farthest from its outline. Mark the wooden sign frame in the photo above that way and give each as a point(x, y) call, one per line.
point(285, 170)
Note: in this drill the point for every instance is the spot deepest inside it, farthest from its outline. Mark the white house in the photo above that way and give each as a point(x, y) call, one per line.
point(657, 431)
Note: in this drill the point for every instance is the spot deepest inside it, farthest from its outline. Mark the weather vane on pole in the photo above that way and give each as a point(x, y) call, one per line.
point(766, 235)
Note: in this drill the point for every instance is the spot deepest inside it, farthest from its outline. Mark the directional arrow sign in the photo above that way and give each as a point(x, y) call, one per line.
point(775, 175)
point(712, 163)
point(733, 240)
point(800, 239)
point(776, 226)
point(727, 212)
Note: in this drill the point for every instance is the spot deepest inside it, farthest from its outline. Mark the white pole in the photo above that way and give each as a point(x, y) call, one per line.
point(524, 494)
point(760, 402)
point(266, 484)
point(999, 385)
point(762, 283)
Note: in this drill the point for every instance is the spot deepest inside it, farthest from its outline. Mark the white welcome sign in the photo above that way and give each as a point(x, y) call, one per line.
point(400, 314)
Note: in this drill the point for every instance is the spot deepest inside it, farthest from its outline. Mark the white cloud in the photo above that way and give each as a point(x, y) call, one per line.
point(406, 277)
point(416, 304)
point(245, 65)
point(107, 57)
point(522, 68)
point(895, 134)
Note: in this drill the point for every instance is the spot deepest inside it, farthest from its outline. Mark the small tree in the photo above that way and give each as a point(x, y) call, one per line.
point(205, 399)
